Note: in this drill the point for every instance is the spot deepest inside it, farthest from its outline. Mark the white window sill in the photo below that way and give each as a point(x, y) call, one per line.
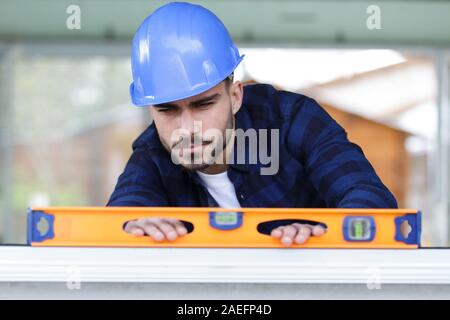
point(146, 265)
point(216, 274)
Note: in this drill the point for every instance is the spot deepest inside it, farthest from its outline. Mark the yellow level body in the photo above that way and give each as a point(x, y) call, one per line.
point(220, 228)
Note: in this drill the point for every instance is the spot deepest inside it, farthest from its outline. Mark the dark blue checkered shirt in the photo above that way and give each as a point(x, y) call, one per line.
point(319, 166)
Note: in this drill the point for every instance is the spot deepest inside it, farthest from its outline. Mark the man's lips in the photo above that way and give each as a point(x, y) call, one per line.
point(192, 147)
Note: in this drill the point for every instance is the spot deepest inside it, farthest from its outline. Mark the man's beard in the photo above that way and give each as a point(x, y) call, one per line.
point(195, 160)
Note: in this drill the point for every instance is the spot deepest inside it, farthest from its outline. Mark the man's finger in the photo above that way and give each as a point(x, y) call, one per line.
point(169, 231)
point(133, 228)
point(277, 232)
point(153, 231)
point(129, 224)
point(178, 226)
point(303, 234)
point(318, 230)
point(289, 233)
point(135, 231)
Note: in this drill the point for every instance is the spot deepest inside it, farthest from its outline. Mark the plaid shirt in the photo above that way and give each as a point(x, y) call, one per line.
point(318, 166)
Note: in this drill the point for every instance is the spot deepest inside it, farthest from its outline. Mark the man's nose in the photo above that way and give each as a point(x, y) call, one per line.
point(188, 122)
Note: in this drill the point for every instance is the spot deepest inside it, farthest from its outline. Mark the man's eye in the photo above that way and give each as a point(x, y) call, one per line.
point(165, 110)
point(206, 104)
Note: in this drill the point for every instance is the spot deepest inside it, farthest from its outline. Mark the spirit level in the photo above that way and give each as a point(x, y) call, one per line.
point(219, 227)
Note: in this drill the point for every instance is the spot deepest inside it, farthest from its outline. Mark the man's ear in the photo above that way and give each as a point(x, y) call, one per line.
point(236, 95)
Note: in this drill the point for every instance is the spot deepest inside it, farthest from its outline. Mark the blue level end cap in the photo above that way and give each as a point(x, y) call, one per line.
point(408, 228)
point(39, 226)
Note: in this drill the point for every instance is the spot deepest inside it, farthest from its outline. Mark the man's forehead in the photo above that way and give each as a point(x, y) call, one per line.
point(211, 92)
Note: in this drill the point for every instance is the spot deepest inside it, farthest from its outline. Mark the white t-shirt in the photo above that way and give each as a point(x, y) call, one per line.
point(221, 189)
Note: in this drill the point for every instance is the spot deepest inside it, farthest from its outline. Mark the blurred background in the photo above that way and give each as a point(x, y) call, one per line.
point(66, 121)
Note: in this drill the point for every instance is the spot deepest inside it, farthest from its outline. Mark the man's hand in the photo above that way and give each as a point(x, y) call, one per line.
point(156, 228)
point(297, 233)
point(160, 229)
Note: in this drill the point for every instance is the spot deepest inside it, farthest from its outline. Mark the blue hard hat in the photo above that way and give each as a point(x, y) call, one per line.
point(179, 51)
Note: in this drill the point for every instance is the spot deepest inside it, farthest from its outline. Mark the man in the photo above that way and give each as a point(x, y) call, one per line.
point(183, 61)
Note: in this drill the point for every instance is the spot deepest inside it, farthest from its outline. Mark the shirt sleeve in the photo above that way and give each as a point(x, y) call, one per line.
point(140, 184)
point(337, 168)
